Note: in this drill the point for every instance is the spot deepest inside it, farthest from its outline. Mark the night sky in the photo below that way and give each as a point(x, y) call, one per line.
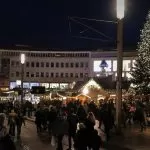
point(45, 23)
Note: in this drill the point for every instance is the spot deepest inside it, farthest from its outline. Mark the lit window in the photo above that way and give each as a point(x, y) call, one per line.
point(114, 65)
point(97, 67)
point(54, 85)
point(126, 65)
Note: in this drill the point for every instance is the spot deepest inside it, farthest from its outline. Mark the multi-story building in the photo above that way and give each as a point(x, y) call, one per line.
point(57, 69)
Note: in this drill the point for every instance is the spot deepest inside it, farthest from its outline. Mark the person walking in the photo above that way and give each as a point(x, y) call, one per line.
point(73, 121)
point(5, 141)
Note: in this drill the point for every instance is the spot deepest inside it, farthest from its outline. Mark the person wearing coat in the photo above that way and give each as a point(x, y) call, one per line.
point(5, 141)
point(12, 122)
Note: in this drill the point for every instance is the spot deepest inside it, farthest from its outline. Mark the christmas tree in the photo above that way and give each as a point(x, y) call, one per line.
point(141, 69)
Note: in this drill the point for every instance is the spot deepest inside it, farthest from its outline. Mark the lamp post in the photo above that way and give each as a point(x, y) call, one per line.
point(22, 59)
point(120, 16)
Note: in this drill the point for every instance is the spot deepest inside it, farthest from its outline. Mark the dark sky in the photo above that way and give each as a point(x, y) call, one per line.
point(44, 23)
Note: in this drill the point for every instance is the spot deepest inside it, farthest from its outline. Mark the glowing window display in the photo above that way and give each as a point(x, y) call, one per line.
point(13, 85)
point(34, 84)
point(26, 85)
point(97, 67)
point(126, 65)
point(114, 65)
point(45, 84)
point(63, 85)
point(54, 85)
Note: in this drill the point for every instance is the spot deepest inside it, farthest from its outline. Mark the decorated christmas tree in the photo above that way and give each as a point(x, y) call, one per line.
point(141, 69)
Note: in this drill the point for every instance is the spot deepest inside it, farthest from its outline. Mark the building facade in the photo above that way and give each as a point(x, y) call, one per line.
point(57, 69)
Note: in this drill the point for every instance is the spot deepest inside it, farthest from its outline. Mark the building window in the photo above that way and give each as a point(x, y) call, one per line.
point(42, 74)
point(62, 75)
point(37, 74)
point(47, 64)
point(57, 75)
point(66, 75)
point(57, 65)
point(52, 75)
point(32, 64)
point(42, 64)
point(72, 65)
point(126, 65)
point(17, 74)
point(27, 64)
point(32, 75)
point(37, 64)
point(17, 63)
point(76, 75)
point(81, 75)
point(27, 74)
point(62, 65)
point(77, 65)
point(47, 74)
point(67, 65)
point(81, 64)
point(12, 63)
point(52, 65)
point(71, 75)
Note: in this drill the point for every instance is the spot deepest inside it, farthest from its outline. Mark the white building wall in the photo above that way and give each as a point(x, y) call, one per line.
point(85, 57)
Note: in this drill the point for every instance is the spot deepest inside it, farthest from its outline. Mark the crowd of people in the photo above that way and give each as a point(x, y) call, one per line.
point(74, 119)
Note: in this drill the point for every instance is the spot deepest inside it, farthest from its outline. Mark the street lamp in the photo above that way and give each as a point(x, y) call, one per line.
point(22, 59)
point(120, 16)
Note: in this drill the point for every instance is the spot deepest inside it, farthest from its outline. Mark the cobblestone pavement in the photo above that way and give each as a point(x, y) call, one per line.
point(132, 139)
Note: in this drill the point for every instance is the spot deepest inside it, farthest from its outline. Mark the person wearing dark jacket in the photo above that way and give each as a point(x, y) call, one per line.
point(72, 120)
point(52, 115)
point(5, 141)
point(38, 120)
point(81, 141)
